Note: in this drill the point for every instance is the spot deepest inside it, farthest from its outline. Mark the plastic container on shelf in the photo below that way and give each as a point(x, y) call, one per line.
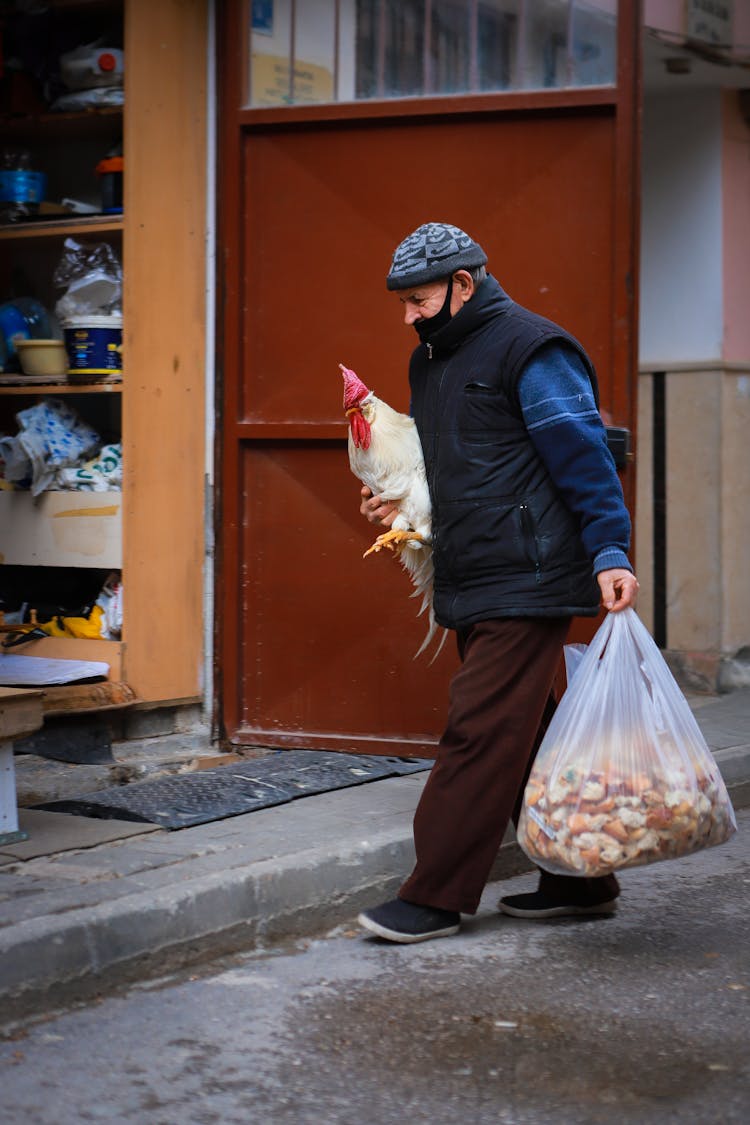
point(38, 320)
point(43, 357)
point(22, 188)
point(94, 345)
point(92, 65)
point(110, 172)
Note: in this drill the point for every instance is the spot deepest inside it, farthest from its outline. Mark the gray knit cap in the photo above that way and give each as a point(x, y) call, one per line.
point(433, 251)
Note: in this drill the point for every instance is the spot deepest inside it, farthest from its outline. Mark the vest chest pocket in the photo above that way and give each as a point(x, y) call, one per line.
point(483, 417)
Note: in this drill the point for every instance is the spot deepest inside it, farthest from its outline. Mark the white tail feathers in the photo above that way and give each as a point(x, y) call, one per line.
point(416, 559)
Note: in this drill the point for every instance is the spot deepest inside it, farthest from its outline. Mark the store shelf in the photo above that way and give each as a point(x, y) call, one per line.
point(163, 124)
point(80, 699)
point(20, 388)
point(73, 648)
point(61, 228)
point(62, 540)
point(111, 6)
point(81, 123)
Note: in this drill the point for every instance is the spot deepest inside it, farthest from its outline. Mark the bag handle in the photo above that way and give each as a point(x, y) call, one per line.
point(631, 631)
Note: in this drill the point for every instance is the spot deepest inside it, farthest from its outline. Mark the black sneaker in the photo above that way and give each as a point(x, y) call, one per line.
point(536, 904)
point(406, 922)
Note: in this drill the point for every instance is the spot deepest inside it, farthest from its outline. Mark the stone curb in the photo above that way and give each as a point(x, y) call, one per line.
point(240, 908)
point(61, 957)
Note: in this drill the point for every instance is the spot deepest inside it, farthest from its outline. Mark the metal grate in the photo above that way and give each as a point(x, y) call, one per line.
point(206, 795)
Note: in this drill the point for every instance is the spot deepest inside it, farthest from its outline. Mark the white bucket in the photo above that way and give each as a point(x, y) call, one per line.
point(94, 345)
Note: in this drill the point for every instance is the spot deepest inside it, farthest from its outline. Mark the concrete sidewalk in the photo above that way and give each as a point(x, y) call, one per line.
point(86, 903)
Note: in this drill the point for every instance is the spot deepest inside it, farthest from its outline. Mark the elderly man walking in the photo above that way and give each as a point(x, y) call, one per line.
point(530, 529)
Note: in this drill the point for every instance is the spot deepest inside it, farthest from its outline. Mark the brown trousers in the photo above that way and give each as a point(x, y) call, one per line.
point(501, 702)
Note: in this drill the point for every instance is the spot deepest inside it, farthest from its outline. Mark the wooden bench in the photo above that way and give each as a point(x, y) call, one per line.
point(20, 714)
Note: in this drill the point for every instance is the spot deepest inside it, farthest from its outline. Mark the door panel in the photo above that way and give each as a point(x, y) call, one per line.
point(334, 635)
point(324, 210)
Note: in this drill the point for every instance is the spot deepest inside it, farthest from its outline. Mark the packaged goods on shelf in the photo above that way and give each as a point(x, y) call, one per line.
point(93, 66)
point(52, 436)
point(102, 473)
point(93, 74)
point(92, 279)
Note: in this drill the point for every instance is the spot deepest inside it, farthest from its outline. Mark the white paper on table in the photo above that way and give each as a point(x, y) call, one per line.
point(38, 671)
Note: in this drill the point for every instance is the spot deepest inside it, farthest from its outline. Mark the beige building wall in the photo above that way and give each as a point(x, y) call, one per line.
point(695, 331)
point(693, 488)
point(707, 483)
point(735, 513)
point(644, 505)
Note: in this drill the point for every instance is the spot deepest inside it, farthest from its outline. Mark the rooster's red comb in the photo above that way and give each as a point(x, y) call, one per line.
point(354, 388)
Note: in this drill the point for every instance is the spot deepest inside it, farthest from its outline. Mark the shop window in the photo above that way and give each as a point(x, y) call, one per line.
point(322, 51)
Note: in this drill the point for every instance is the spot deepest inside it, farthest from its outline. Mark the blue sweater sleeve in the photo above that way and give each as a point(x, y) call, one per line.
point(559, 410)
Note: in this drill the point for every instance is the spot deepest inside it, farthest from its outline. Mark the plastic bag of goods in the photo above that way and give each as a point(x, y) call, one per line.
point(623, 776)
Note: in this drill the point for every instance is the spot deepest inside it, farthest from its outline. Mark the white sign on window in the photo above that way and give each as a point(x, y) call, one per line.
point(710, 21)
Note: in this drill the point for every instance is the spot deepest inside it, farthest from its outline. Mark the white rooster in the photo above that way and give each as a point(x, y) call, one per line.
point(386, 455)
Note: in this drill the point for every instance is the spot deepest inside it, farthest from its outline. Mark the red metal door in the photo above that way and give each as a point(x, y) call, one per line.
point(316, 644)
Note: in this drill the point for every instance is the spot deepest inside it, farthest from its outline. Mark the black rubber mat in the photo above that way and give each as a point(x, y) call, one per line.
point(78, 741)
point(206, 795)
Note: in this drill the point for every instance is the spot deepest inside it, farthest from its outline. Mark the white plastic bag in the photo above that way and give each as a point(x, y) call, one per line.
point(91, 275)
point(573, 654)
point(623, 776)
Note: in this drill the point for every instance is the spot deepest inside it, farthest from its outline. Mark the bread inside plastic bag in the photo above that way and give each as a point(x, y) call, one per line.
point(624, 776)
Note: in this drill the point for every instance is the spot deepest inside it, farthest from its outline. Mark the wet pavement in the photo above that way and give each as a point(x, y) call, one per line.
point(641, 1017)
point(85, 903)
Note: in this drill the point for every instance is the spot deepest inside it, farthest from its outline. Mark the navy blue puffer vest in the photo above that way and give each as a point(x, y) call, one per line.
point(504, 543)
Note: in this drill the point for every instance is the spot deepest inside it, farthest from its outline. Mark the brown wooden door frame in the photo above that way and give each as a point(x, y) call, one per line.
point(621, 102)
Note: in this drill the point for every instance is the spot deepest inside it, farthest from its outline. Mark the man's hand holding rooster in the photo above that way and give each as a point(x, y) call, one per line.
point(376, 510)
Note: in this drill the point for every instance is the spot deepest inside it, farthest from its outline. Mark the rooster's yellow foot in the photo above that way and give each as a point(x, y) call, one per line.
point(390, 539)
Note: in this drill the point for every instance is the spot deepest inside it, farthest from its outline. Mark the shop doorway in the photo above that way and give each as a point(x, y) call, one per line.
point(316, 644)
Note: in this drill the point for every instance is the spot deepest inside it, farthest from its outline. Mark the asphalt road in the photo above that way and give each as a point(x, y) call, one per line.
point(642, 1017)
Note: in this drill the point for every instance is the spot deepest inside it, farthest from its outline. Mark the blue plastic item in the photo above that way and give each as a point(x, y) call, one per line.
point(23, 318)
point(19, 185)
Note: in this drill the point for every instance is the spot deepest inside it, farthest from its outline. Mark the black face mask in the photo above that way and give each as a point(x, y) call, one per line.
point(426, 329)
